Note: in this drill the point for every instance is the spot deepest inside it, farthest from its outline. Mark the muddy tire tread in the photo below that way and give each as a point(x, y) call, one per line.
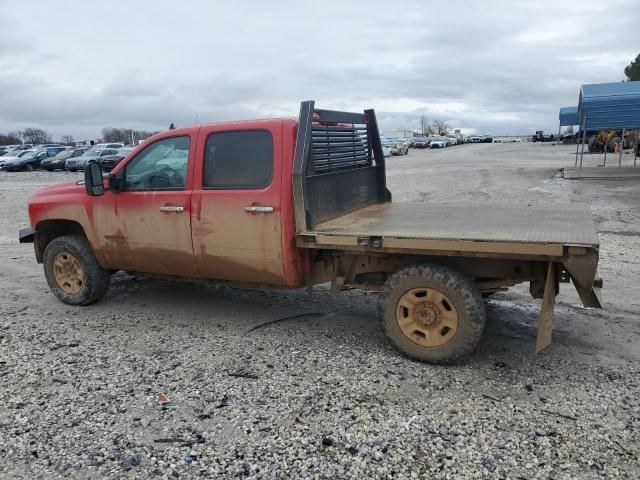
point(97, 278)
point(470, 308)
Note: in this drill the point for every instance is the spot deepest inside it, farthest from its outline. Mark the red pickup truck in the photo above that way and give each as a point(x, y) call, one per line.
point(291, 203)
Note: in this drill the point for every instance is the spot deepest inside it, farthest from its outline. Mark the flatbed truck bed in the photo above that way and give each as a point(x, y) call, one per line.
point(546, 230)
point(361, 239)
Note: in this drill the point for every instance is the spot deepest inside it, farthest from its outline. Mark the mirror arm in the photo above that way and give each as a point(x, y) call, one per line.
point(115, 183)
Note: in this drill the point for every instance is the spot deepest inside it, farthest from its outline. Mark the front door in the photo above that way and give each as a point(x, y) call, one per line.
point(236, 215)
point(150, 228)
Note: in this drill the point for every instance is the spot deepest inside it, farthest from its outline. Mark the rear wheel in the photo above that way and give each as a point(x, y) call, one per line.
point(72, 271)
point(29, 167)
point(432, 313)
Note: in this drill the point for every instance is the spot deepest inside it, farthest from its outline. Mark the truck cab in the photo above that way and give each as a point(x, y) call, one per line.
point(196, 202)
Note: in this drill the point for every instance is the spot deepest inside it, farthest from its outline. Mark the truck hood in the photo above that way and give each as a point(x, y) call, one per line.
point(59, 189)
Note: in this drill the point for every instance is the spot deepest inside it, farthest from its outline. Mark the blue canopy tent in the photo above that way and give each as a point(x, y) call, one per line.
point(569, 116)
point(609, 106)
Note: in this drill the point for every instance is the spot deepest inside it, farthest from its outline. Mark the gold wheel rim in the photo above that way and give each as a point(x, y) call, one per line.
point(427, 317)
point(68, 273)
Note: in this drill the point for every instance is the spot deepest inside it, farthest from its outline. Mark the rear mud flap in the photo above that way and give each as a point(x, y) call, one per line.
point(582, 269)
point(545, 323)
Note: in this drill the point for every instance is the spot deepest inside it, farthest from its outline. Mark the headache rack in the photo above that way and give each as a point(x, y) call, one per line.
point(338, 165)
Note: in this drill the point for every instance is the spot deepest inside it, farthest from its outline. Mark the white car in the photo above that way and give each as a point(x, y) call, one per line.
point(399, 147)
point(439, 142)
point(102, 146)
point(452, 140)
point(387, 145)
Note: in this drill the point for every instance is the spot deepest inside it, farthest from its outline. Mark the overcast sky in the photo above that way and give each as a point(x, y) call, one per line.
point(73, 67)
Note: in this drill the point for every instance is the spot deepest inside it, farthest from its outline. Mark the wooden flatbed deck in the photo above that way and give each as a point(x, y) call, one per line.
point(536, 229)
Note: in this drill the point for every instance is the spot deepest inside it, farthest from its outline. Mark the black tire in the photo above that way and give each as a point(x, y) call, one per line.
point(96, 279)
point(459, 290)
point(593, 145)
point(29, 167)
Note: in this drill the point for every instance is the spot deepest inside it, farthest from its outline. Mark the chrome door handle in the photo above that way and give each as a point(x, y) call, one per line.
point(258, 209)
point(171, 208)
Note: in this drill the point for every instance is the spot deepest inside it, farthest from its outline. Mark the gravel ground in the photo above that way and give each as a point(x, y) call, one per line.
point(168, 380)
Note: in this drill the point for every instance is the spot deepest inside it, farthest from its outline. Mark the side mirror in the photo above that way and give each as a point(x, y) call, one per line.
point(93, 179)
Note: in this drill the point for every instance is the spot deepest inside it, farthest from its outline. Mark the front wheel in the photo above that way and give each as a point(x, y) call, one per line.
point(72, 271)
point(432, 313)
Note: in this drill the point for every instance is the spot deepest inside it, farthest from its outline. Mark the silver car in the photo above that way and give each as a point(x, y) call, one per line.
point(78, 163)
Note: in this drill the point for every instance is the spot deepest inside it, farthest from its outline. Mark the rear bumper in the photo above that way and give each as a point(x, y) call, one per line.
point(26, 235)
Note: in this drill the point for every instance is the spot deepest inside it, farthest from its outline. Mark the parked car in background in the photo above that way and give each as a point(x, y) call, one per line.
point(26, 160)
point(439, 142)
point(386, 146)
point(58, 161)
point(12, 150)
point(102, 146)
point(109, 162)
point(420, 142)
point(11, 155)
point(52, 151)
point(475, 139)
point(399, 147)
point(78, 163)
point(452, 140)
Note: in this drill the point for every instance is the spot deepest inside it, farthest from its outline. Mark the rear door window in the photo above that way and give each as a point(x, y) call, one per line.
point(238, 160)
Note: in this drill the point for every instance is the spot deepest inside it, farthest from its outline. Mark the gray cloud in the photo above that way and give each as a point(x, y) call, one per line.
point(496, 67)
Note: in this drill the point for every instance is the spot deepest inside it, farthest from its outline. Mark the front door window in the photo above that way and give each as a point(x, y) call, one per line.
point(160, 166)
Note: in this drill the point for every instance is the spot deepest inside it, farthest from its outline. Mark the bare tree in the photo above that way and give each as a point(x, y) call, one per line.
point(10, 138)
point(439, 127)
point(124, 135)
point(35, 135)
point(68, 139)
point(424, 125)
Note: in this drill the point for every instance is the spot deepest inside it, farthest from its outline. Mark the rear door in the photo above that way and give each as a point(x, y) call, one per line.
point(236, 214)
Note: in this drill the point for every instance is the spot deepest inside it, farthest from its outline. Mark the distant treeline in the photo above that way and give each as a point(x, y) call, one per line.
point(37, 135)
point(28, 135)
point(124, 135)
